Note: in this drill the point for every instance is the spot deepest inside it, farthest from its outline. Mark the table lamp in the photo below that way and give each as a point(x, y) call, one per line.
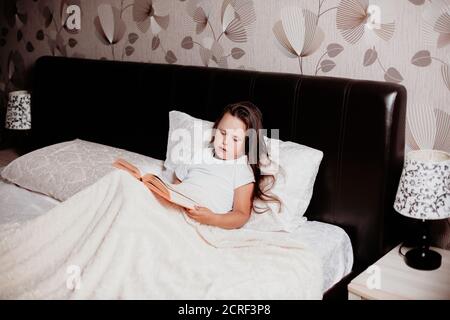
point(18, 111)
point(424, 193)
point(17, 121)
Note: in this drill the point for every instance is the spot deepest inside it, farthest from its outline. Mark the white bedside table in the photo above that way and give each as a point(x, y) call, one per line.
point(398, 281)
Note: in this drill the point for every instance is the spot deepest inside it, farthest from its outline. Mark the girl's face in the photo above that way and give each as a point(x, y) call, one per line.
point(229, 139)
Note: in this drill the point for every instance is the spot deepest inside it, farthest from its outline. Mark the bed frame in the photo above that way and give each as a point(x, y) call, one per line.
point(359, 125)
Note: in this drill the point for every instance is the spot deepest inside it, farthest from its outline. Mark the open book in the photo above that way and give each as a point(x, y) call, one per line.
point(157, 185)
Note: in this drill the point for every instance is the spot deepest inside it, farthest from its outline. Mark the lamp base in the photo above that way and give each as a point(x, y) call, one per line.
point(423, 259)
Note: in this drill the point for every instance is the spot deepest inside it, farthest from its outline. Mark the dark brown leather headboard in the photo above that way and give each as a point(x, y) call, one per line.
point(359, 126)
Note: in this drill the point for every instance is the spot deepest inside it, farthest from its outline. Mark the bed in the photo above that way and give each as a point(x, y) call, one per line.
point(359, 125)
point(20, 205)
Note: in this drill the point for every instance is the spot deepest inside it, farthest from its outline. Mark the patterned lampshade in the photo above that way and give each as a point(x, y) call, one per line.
point(18, 112)
point(424, 188)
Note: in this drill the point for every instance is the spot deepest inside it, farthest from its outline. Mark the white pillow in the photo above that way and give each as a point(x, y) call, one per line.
point(63, 169)
point(299, 164)
point(294, 183)
point(186, 134)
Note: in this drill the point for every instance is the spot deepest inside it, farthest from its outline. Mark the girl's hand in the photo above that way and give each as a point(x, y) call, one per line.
point(201, 214)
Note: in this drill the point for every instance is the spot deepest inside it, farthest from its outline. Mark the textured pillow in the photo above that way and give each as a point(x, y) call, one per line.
point(296, 168)
point(63, 169)
point(294, 183)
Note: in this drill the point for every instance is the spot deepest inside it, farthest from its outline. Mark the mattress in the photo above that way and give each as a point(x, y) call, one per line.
point(18, 205)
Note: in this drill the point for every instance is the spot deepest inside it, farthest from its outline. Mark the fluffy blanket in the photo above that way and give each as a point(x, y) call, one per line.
point(116, 240)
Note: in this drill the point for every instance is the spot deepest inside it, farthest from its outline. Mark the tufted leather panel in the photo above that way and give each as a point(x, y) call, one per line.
point(359, 125)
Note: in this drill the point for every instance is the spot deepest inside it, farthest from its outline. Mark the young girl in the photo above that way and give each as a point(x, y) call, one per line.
point(228, 182)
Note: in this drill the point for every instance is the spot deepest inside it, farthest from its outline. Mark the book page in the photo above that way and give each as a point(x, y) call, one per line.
point(170, 186)
point(157, 182)
point(182, 200)
point(168, 191)
point(157, 185)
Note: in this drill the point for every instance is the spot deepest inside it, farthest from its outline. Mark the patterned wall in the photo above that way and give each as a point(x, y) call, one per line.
point(403, 41)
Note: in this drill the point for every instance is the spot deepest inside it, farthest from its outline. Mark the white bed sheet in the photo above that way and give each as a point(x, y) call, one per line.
point(18, 204)
point(334, 247)
point(330, 242)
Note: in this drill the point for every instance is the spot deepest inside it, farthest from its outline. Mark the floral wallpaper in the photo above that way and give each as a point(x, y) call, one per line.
point(402, 41)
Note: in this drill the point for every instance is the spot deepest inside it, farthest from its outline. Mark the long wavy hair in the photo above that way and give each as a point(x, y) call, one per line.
point(253, 119)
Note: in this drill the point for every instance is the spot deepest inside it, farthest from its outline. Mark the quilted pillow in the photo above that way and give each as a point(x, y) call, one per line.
point(63, 169)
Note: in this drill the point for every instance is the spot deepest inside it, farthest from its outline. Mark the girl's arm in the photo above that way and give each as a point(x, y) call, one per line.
point(242, 207)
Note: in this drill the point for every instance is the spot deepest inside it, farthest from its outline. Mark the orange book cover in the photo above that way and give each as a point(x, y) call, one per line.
point(157, 185)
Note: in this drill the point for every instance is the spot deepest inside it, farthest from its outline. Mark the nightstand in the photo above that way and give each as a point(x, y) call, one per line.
point(7, 155)
point(391, 279)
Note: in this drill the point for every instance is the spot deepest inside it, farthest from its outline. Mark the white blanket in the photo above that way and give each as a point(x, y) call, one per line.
point(116, 240)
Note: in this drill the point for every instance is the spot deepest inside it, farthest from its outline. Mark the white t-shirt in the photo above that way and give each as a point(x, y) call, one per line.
point(212, 180)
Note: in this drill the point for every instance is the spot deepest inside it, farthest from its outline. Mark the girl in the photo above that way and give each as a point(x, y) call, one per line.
point(231, 183)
